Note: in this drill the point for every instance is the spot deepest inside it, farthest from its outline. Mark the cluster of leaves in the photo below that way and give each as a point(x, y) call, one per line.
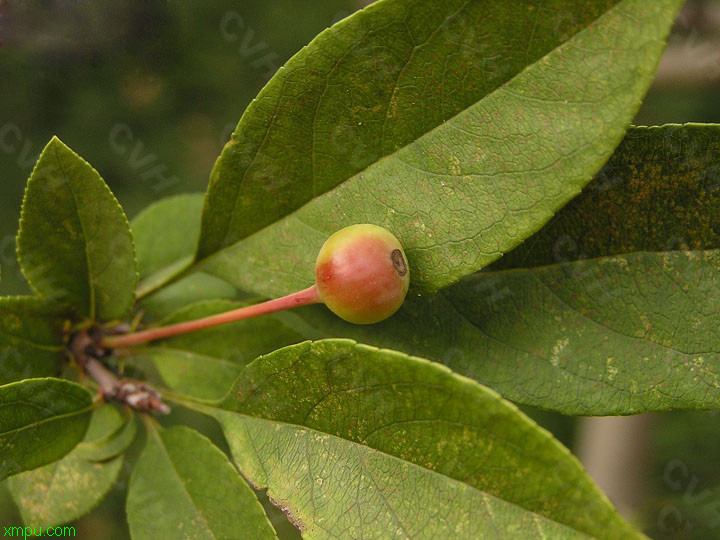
point(473, 133)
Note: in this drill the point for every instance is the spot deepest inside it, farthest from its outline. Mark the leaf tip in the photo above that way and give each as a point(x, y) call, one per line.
point(55, 142)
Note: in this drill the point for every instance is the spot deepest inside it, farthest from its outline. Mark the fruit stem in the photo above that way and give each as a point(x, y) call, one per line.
point(301, 298)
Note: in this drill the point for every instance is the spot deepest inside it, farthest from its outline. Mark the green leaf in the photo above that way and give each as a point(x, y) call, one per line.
point(111, 444)
point(190, 373)
point(31, 338)
point(354, 441)
point(185, 487)
point(74, 243)
point(616, 335)
point(41, 420)
point(660, 191)
point(502, 158)
point(68, 489)
point(204, 364)
point(166, 234)
point(619, 335)
point(194, 288)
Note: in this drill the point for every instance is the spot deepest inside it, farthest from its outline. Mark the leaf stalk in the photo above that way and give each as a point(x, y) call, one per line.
point(301, 298)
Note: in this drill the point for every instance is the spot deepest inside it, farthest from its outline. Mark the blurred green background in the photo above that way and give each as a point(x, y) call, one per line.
point(148, 92)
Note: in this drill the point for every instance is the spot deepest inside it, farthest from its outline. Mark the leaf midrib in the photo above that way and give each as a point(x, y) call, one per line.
point(44, 420)
point(29, 343)
point(179, 479)
point(91, 283)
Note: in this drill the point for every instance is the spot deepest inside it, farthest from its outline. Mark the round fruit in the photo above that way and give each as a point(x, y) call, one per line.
point(361, 274)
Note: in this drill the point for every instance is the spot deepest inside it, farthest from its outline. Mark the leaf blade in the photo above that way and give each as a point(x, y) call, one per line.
point(111, 444)
point(74, 243)
point(616, 335)
point(339, 54)
point(41, 420)
point(379, 402)
point(457, 510)
point(31, 338)
point(67, 489)
point(185, 486)
point(165, 235)
point(510, 184)
point(196, 287)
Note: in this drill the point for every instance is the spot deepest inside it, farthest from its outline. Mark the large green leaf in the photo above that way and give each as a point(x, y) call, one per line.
point(617, 335)
point(41, 420)
point(67, 489)
point(74, 243)
point(205, 363)
point(31, 338)
point(166, 235)
point(185, 487)
point(460, 185)
point(354, 441)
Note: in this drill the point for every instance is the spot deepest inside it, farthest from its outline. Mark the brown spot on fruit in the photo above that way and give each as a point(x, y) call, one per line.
point(399, 262)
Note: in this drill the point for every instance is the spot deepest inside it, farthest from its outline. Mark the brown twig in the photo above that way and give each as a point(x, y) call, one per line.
point(85, 348)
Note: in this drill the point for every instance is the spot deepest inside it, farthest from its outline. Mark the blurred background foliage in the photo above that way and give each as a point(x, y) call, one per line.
point(149, 91)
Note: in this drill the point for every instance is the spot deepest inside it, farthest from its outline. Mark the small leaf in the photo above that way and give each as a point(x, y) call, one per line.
point(74, 243)
point(204, 364)
point(458, 189)
point(31, 338)
point(111, 444)
point(68, 489)
point(41, 420)
point(354, 441)
point(166, 234)
point(192, 374)
point(184, 487)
